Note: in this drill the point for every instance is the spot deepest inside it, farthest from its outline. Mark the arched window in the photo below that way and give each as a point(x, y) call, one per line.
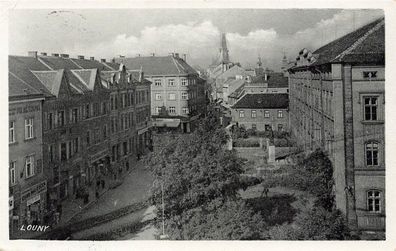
point(371, 154)
point(374, 201)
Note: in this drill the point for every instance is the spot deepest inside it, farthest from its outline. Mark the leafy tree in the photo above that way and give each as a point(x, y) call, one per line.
point(200, 180)
point(316, 224)
point(219, 220)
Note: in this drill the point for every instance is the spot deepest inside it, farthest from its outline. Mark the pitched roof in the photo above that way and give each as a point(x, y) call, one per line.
point(90, 64)
point(274, 80)
point(233, 71)
point(356, 45)
point(17, 87)
point(234, 84)
point(20, 69)
point(262, 101)
point(154, 66)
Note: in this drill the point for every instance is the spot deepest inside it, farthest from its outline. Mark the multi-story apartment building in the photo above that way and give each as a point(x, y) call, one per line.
point(337, 104)
point(27, 182)
point(177, 92)
point(262, 112)
point(91, 120)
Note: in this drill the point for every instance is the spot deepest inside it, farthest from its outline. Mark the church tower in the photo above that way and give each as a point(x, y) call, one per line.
point(224, 57)
point(284, 64)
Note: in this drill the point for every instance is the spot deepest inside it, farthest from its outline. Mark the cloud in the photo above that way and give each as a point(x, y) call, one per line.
point(200, 41)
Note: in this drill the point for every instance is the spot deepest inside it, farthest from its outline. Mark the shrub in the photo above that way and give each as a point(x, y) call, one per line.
point(246, 143)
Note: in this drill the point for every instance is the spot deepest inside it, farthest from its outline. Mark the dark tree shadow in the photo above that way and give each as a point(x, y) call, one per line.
point(276, 209)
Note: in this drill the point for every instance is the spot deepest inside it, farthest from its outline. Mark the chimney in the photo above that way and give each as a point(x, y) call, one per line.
point(103, 60)
point(152, 54)
point(43, 53)
point(32, 54)
point(92, 58)
point(64, 55)
point(138, 55)
point(55, 54)
point(185, 57)
point(176, 55)
point(80, 57)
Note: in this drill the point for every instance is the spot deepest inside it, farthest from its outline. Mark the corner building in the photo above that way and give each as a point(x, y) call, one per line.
point(337, 103)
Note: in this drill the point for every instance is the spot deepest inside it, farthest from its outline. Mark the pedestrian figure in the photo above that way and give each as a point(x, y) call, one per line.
point(265, 192)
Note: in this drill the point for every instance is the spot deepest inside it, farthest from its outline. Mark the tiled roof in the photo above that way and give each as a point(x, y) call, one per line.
point(20, 68)
point(155, 66)
point(274, 80)
point(358, 44)
point(91, 64)
point(236, 93)
point(262, 101)
point(17, 87)
point(233, 71)
point(234, 84)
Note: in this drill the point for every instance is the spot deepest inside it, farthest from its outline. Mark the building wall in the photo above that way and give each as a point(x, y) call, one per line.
point(28, 193)
point(165, 90)
point(368, 177)
point(80, 153)
point(341, 115)
point(311, 101)
point(260, 120)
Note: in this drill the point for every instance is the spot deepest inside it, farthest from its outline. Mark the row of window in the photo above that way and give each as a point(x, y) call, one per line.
point(171, 82)
point(253, 114)
point(29, 168)
point(172, 110)
point(123, 149)
point(172, 96)
point(29, 130)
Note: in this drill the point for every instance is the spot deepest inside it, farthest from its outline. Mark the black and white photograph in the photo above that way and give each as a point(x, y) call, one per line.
point(196, 124)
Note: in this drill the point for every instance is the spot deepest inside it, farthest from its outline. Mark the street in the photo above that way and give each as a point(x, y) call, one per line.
point(134, 189)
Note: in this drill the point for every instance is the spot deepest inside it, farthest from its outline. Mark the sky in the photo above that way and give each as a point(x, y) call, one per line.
point(196, 32)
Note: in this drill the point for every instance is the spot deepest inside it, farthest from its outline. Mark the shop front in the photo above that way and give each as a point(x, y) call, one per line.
point(33, 201)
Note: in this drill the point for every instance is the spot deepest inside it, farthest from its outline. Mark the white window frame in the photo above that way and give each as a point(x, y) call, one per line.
point(11, 132)
point(266, 114)
point(29, 133)
point(158, 82)
point(31, 162)
point(280, 114)
point(13, 172)
point(185, 110)
point(372, 147)
point(371, 201)
point(371, 106)
point(172, 109)
point(184, 95)
point(184, 82)
point(241, 114)
point(171, 82)
point(254, 114)
point(158, 96)
point(171, 96)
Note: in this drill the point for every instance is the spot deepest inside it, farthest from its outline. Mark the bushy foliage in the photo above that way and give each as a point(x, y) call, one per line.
point(219, 220)
point(198, 173)
point(316, 224)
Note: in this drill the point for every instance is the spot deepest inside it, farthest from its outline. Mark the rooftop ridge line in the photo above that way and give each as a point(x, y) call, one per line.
point(360, 40)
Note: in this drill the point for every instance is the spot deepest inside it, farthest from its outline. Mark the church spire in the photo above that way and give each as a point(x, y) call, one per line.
point(224, 57)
